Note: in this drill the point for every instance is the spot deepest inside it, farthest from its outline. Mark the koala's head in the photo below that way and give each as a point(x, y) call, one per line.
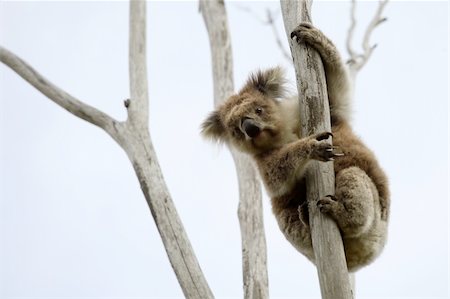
point(251, 120)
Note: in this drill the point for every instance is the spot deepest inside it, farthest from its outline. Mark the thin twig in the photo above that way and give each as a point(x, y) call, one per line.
point(351, 31)
point(268, 21)
point(357, 61)
point(249, 11)
point(271, 22)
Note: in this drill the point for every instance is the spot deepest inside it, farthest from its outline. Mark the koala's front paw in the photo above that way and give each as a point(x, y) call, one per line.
point(322, 150)
point(306, 32)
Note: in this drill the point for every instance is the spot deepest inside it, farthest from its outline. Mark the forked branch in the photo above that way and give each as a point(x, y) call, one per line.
point(134, 138)
point(357, 61)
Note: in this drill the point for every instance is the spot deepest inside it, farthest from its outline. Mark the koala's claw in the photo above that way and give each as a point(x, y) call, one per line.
point(323, 136)
point(325, 152)
point(337, 152)
point(326, 204)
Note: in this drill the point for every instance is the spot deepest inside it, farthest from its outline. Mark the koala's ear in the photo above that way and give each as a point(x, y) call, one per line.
point(213, 127)
point(270, 82)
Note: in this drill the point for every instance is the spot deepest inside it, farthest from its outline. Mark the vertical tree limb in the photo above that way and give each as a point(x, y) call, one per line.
point(315, 117)
point(254, 256)
point(140, 150)
point(134, 138)
point(138, 108)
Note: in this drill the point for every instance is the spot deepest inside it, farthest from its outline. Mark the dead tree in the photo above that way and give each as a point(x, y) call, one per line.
point(133, 136)
point(254, 256)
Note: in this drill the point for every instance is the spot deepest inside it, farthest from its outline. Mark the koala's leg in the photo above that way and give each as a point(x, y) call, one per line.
point(338, 82)
point(353, 206)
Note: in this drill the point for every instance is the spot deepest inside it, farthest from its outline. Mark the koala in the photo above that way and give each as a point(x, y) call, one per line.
point(262, 121)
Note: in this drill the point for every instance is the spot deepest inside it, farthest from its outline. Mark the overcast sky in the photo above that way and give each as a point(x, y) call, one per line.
point(73, 220)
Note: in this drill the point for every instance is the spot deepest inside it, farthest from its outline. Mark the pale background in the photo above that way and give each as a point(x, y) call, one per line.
point(73, 220)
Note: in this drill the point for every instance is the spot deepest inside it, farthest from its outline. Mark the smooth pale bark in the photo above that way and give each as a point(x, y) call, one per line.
point(315, 118)
point(254, 256)
point(133, 136)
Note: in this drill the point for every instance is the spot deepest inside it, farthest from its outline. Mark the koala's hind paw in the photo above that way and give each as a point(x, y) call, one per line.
point(327, 204)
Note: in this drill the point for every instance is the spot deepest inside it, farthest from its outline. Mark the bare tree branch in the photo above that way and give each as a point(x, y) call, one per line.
point(315, 118)
point(254, 257)
point(134, 138)
point(57, 95)
point(357, 61)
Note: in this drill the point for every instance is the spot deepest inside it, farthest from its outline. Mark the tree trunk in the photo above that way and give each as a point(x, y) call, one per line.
point(254, 256)
point(315, 118)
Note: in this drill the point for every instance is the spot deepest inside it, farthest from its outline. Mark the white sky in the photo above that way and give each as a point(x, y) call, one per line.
point(73, 220)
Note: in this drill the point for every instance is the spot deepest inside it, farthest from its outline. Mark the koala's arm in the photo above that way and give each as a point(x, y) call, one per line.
point(339, 85)
point(281, 167)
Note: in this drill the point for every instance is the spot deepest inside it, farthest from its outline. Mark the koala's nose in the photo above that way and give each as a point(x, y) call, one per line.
point(250, 128)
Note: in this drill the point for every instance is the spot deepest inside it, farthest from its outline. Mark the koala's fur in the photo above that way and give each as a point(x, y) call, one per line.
point(261, 121)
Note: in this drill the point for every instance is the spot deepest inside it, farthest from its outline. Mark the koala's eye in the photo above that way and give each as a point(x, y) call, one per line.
point(258, 110)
